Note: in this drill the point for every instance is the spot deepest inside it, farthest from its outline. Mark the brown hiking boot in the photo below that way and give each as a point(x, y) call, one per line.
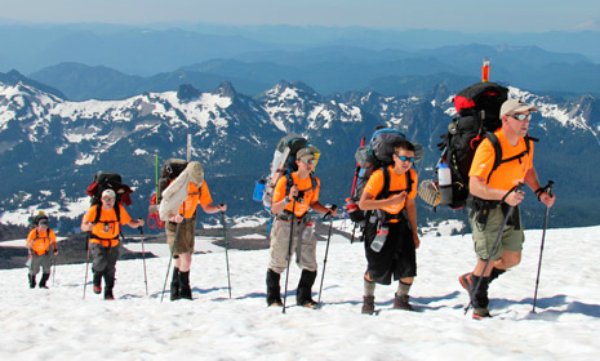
point(368, 307)
point(401, 303)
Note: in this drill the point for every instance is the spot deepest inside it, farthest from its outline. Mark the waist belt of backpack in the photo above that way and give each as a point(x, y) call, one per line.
point(482, 207)
point(287, 216)
point(104, 239)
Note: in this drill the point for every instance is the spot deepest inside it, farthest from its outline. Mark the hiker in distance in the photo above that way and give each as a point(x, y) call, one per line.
point(493, 196)
point(388, 224)
point(293, 206)
point(181, 226)
point(38, 244)
point(104, 221)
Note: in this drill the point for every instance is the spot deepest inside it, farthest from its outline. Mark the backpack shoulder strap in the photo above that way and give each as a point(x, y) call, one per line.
point(497, 152)
point(98, 212)
point(385, 191)
point(409, 182)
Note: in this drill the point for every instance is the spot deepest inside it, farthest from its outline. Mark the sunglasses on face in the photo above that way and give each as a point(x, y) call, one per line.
point(520, 116)
point(108, 199)
point(404, 158)
point(308, 161)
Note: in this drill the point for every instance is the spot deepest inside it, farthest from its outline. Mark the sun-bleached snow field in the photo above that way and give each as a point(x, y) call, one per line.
point(58, 324)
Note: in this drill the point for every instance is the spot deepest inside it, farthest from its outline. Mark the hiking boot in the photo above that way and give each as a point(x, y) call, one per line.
point(185, 291)
point(304, 291)
point(97, 282)
point(273, 289)
point(108, 294)
point(45, 278)
point(401, 303)
point(481, 313)
point(466, 282)
point(368, 307)
point(109, 283)
point(32, 282)
point(275, 302)
point(309, 303)
point(175, 294)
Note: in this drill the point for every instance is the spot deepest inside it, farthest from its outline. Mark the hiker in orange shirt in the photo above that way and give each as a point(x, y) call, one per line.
point(197, 194)
point(38, 245)
point(397, 256)
point(104, 239)
point(302, 195)
point(493, 193)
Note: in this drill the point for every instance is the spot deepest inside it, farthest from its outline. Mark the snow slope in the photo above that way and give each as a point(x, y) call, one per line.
point(57, 324)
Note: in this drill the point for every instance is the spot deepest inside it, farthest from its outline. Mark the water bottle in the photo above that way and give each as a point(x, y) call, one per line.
point(354, 212)
point(259, 191)
point(445, 183)
point(309, 229)
point(380, 237)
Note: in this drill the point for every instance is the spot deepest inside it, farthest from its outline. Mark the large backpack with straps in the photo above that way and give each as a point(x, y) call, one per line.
point(109, 180)
point(478, 116)
point(169, 170)
point(377, 154)
point(284, 163)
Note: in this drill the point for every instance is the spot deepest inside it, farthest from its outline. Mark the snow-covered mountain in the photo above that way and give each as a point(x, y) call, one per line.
point(50, 148)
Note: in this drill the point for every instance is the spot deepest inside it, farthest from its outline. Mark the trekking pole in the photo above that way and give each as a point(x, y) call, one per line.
point(547, 189)
point(170, 260)
point(226, 254)
point(287, 272)
point(328, 214)
point(53, 269)
point(87, 262)
point(517, 189)
point(353, 231)
point(141, 229)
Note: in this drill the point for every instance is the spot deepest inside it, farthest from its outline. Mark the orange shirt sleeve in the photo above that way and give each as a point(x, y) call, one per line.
point(125, 217)
point(205, 198)
point(375, 183)
point(30, 238)
point(280, 190)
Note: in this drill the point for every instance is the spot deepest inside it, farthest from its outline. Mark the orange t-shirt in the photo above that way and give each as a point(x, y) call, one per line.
point(107, 227)
point(310, 195)
point(508, 174)
point(39, 242)
point(195, 196)
point(397, 183)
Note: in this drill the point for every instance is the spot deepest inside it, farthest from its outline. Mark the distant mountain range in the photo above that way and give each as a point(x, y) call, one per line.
point(50, 147)
point(337, 69)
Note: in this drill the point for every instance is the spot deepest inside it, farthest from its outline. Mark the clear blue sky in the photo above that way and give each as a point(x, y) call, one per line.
point(467, 15)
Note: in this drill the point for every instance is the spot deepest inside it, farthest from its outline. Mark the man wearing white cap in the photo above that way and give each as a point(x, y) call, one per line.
point(105, 228)
point(493, 192)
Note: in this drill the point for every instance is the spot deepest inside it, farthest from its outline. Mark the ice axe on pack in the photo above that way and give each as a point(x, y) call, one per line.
point(547, 189)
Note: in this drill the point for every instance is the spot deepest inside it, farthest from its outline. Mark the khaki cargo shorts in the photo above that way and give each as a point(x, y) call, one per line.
point(484, 235)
